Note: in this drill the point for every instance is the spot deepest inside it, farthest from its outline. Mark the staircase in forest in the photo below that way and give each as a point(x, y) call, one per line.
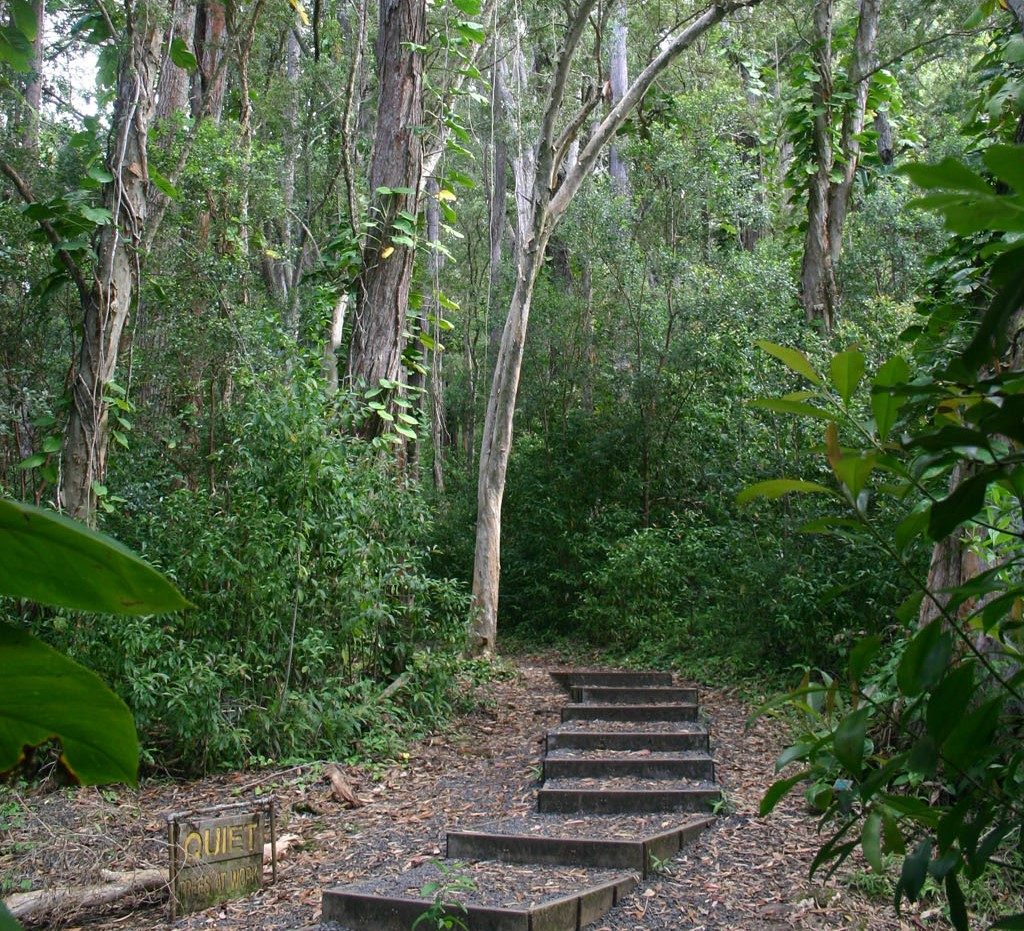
point(628, 779)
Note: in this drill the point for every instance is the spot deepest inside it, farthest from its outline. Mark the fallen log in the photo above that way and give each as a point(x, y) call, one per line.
point(117, 884)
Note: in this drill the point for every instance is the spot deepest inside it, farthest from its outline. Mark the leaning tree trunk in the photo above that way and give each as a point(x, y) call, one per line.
point(115, 286)
point(818, 292)
point(547, 208)
point(382, 291)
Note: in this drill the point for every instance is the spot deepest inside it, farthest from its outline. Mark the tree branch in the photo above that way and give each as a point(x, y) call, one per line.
point(84, 291)
point(634, 93)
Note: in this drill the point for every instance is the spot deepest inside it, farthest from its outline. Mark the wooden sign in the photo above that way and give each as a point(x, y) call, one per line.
point(217, 854)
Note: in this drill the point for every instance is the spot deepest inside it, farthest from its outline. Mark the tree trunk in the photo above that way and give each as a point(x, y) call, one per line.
point(382, 294)
point(211, 36)
point(817, 275)
point(618, 75)
point(172, 89)
point(333, 341)
point(853, 123)
point(115, 287)
point(546, 208)
point(34, 84)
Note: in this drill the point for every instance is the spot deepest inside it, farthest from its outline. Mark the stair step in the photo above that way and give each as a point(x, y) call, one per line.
point(588, 842)
point(633, 695)
point(562, 765)
point(695, 738)
point(567, 678)
point(603, 801)
point(666, 712)
point(552, 898)
point(616, 795)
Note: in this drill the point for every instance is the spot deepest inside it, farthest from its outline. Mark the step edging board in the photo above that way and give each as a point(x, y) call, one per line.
point(678, 711)
point(596, 767)
point(614, 853)
point(624, 801)
point(629, 740)
point(364, 910)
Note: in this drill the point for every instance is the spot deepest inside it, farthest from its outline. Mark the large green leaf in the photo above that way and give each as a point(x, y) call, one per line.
point(924, 661)
point(847, 369)
point(54, 560)
point(848, 740)
point(7, 922)
point(45, 695)
point(960, 505)
point(792, 358)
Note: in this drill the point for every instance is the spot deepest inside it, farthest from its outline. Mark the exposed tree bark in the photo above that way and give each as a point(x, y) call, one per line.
point(886, 150)
point(828, 201)
point(211, 38)
point(862, 62)
point(545, 211)
point(115, 285)
point(172, 90)
point(382, 294)
point(817, 276)
point(334, 334)
point(34, 84)
point(618, 76)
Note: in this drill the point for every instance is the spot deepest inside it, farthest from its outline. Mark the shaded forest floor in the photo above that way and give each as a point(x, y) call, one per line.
point(745, 872)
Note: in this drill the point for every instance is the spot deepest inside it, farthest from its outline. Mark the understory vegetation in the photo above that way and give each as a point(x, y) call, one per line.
point(274, 280)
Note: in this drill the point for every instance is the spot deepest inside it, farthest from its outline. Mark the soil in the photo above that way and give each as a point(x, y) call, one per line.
point(489, 883)
point(630, 783)
point(569, 754)
point(624, 827)
point(745, 872)
point(634, 727)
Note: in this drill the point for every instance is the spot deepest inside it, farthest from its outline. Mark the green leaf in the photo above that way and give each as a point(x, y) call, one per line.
point(98, 215)
point(1006, 162)
point(885, 404)
point(777, 487)
point(54, 560)
point(957, 905)
point(863, 652)
point(51, 444)
point(924, 661)
point(950, 701)
point(960, 505)
point(7, 922)
point(967, 745)
point(871, 841)
point(1009, 923)
point(847, 369)
point(915, 871)
point(181, 55)
point(948, 175)
point(854, 471)
point(32, 462)
point(848, 740)
point(43, 695)
point(99, 173)
point(778, 790)
point(24, 17)
point(792, 359)
point(162, 184)
point(15, 49)
point(912, 526)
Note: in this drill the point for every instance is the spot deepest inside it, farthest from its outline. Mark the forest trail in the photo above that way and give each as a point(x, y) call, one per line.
point(743, 872)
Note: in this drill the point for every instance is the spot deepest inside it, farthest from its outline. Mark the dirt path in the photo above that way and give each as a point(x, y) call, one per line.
point(746, 872)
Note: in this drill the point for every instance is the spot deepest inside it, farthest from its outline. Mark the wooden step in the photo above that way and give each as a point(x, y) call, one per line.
point(616, 801)
point(567, 678)
point(639, 739)
point(664, 766)
point(638, 854)
point(633, 695)
point(673, 712)
point(361, 910)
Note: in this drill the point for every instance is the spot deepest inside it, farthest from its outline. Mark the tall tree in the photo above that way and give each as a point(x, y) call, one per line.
point(108, 299)
point(549, 201)
point(382, 290)
point(828, 197)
